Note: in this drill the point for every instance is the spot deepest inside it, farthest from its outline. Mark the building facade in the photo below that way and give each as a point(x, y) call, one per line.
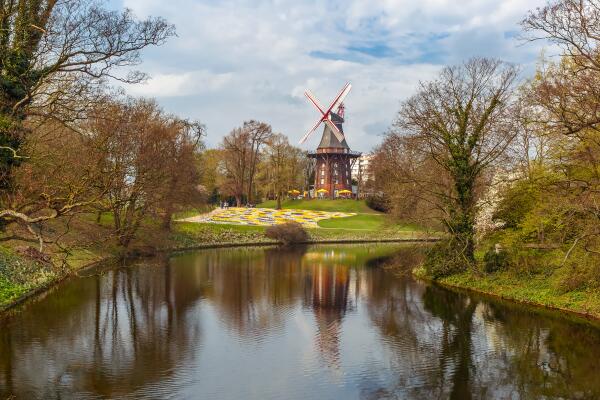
point(360, 169)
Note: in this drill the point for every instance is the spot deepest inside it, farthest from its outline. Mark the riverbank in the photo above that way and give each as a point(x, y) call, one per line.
point(532, 290)
point(203, 312)
point(22, 278)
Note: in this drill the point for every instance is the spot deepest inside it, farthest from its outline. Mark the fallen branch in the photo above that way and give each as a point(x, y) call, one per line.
point(15, 155)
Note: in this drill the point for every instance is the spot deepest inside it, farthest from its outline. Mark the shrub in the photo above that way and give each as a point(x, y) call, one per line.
point(288, 233)
point(495, 260)
point(445, 258)
point(378, 202)
point(580, 273)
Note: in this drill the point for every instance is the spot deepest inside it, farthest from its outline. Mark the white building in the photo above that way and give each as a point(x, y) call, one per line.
point(360, 169)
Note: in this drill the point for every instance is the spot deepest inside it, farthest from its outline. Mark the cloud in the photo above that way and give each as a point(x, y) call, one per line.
point(235, 60)
point(183, 84)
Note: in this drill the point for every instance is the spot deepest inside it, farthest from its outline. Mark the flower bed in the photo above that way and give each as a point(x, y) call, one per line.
point(266, 216)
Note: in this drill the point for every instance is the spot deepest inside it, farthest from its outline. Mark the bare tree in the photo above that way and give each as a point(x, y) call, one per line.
point(283, 165)
point(307, 165)
point(236, 159)
point(148, 159)
point(411, 180)
point(52, 50)
point(241, 155)
point(259, 134)
point(574, 25)
point(60, 177)
point(461, 122)
point(180, 188)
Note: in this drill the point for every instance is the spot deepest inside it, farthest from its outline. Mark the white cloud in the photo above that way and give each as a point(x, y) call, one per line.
point(239, 59)
point(201, 82)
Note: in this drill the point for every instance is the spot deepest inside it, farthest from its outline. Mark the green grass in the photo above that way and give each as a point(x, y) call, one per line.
point(190, 234)
point(342, 205)
point(216, 228)
point(19, 275)
point(360, 221)
point(10, 291)
point(192, 212)
point(369, 222)
point(367, 225)
point(537, 289)
point(366, 220)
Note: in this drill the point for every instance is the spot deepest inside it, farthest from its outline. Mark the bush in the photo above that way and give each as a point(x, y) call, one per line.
point(495, 260)
point(288, 233)
point(378, 202)
point(444, 259)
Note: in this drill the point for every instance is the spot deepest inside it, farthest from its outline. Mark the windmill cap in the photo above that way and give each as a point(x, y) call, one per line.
point(329, 140)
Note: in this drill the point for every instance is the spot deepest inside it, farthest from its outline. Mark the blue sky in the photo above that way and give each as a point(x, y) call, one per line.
point(235, 60)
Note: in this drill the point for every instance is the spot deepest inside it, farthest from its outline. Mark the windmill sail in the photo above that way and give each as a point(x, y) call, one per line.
point(326, 116)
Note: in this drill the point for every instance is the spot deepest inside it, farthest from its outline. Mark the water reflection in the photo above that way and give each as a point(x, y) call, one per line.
point(316, 322)
point(99, 335)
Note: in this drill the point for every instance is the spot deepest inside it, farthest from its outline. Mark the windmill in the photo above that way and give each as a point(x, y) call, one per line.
point(333, 156)
point(326, 114)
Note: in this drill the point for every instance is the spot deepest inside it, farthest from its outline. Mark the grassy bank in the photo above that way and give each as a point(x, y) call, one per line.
point(188, 234)
point(89, 240)
point(536, 290)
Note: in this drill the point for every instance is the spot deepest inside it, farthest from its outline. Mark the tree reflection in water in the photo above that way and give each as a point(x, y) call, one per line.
point(142, 331)
point(483, 349)
point(108, 334)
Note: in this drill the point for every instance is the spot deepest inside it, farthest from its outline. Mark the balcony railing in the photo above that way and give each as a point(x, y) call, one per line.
point(333, 150)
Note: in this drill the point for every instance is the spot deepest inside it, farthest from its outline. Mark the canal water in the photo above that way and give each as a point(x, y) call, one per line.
point(319, 322)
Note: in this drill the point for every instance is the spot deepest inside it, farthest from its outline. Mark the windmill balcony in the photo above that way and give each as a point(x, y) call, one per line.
point(335, 150)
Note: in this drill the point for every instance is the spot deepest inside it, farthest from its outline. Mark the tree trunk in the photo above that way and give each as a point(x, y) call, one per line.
point(463, 224)
point(166, 223)
point(279, 200)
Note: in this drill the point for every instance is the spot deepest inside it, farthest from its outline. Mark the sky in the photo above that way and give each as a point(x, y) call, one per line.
point(235, 60)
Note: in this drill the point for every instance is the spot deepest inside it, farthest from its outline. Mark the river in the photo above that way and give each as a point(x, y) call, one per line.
point(318, 322)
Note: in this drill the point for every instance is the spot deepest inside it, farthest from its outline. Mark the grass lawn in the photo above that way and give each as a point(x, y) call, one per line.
point(366, 225)
point(343, 205)
point(368, 222)
point(360, 221)
point(217, 228)
point(189, 234)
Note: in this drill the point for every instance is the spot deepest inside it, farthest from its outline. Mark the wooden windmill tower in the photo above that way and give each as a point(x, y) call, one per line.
point(333, 156)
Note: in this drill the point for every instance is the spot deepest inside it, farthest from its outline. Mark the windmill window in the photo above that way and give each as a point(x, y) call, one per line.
point(322, 172)
point(322, 181)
